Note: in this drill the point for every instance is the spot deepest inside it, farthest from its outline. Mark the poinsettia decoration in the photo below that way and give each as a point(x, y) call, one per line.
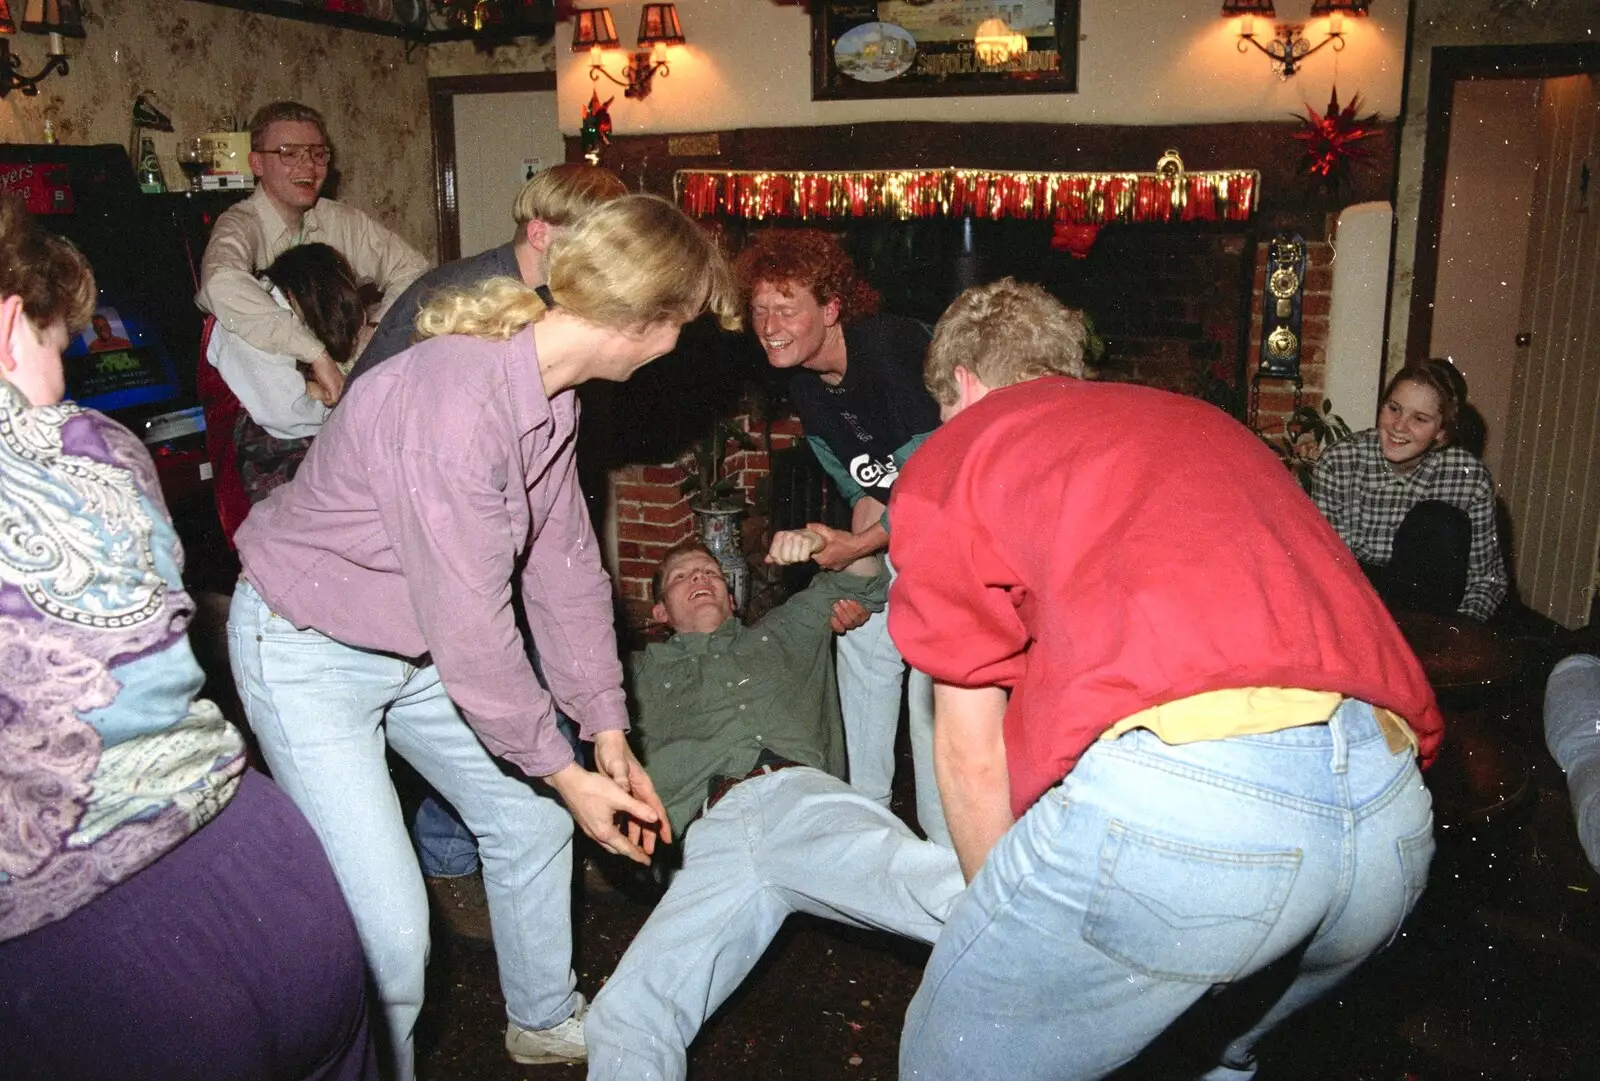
point(595, 130)
point(1331, 140)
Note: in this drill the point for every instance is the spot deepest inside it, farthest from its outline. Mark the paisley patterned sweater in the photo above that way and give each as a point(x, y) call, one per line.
point(107, 759)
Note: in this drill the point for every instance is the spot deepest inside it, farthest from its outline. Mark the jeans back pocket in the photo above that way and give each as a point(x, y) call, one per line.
point(1416, 856)
point(1182, 911)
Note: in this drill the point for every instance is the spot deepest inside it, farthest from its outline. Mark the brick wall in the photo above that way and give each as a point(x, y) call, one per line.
point(653, 514)
point(1169, 304)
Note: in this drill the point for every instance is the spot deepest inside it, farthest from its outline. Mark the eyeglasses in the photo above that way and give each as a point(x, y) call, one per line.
point(299, 153)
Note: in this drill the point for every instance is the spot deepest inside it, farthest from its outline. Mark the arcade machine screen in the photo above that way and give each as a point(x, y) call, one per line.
point(119, 362)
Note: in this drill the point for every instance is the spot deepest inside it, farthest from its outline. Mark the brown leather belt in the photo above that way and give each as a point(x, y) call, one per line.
point(721, 785)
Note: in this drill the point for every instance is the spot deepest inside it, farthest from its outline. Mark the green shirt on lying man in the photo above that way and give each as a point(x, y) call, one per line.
point(708, 705)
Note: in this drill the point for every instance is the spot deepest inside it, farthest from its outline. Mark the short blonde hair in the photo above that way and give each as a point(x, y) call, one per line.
point(627, 264)
point(563, 193)
point(292, 111)
point(1003, 333)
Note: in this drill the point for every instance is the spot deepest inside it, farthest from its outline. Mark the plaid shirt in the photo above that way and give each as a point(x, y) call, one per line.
point(1366, 502)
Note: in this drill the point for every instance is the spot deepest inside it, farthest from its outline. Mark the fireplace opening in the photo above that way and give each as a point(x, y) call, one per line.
point(1170, 304)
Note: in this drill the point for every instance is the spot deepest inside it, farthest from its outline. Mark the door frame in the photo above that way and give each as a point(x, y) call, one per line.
point(1450, 65)
point(442, 92)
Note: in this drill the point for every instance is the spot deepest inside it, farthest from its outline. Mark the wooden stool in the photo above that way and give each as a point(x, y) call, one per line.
point(1482, 770)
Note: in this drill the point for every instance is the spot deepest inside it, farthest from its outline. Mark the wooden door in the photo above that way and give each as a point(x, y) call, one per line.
point(487, 130)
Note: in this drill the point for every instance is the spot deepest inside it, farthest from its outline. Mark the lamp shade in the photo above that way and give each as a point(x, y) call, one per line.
point(64, 17)
point(593, 27)
point(1323, 8)
point(8, 25)
point(658, 25)
point(1248, 7)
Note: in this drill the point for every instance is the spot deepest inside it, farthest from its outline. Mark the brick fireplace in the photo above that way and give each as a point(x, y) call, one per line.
point(1179, 306)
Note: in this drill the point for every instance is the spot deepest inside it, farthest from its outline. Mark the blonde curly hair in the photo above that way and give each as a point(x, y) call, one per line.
point(1003, 333)
point(627, 264)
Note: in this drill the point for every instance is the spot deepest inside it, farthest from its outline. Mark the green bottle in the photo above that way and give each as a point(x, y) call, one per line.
point(151, 181)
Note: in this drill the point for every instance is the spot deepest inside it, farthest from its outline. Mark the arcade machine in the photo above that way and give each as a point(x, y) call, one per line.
point(136, 361)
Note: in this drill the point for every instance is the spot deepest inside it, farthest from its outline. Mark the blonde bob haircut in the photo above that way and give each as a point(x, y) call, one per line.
point(1003, 333)
point(563, 193)
point(625, 265)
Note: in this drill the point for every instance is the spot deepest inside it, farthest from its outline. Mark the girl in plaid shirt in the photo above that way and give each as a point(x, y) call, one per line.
point(1417, 511)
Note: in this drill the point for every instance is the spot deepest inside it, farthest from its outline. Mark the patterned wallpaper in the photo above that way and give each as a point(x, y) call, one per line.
point(463, 58)
point(204, 63)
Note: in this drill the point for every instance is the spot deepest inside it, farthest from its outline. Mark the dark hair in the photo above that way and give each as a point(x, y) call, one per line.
point(274, 111)
point(811, 259)
point(682, 548)
point(325, 289)
point(1445, 380)
point(50, 275)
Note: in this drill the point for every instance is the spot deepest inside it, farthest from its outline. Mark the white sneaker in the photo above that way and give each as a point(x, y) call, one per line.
point(538, 1047)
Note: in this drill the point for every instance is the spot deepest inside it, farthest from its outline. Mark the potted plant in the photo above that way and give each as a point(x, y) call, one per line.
point(1305, 433)
point(717, 504)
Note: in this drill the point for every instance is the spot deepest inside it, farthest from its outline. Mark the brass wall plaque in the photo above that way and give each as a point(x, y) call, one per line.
point(701, 145)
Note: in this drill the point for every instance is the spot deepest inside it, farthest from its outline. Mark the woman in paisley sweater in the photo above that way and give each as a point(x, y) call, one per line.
point(165, 912)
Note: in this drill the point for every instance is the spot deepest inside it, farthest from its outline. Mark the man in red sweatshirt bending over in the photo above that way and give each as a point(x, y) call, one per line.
point(1175, 730)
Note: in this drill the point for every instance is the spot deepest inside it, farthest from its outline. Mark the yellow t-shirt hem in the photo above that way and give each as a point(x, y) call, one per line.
point(1252, 711)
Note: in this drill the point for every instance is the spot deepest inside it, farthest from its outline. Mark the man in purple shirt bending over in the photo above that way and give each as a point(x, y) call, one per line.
point(377, 610)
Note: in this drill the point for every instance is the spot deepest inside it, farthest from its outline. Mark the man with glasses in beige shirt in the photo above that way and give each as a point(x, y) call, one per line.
point(289, 155)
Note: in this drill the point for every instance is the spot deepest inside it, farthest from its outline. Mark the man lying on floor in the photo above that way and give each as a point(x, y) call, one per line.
point(739, 729)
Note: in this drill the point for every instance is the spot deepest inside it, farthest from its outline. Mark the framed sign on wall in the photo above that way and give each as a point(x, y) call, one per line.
point(942, 48)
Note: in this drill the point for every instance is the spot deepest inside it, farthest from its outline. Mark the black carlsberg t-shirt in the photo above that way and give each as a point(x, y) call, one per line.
point(878, 407)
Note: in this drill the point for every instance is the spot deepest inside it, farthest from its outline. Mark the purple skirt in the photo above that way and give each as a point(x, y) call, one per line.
point(233, 956)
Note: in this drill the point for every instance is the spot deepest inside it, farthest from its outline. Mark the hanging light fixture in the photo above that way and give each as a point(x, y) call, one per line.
point(59, 19)
point(593, 29)
point(1288, 46)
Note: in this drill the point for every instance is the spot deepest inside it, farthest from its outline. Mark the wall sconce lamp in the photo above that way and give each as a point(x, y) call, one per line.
point(593, 29)
point(1288, 46)
point(58, 18)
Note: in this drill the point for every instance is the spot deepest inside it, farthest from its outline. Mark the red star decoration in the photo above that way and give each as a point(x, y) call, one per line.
point(1331, 140)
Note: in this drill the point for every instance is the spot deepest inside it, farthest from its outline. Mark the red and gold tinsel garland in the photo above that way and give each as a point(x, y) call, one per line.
point(1168, 194)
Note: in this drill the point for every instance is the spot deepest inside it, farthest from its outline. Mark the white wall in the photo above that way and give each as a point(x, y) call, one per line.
point(1483, 241)
point(747, 64)
point(1355, 315)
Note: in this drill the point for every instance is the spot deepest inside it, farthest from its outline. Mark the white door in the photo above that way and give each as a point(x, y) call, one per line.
point(1552, 455)
point(501, 140)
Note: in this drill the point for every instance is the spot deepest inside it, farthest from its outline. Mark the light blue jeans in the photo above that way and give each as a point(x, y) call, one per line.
point(1156, 873)
point(871, 672)
point(1572, 730)
point(797, 840)
point(324, 713)
point(445, 846)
